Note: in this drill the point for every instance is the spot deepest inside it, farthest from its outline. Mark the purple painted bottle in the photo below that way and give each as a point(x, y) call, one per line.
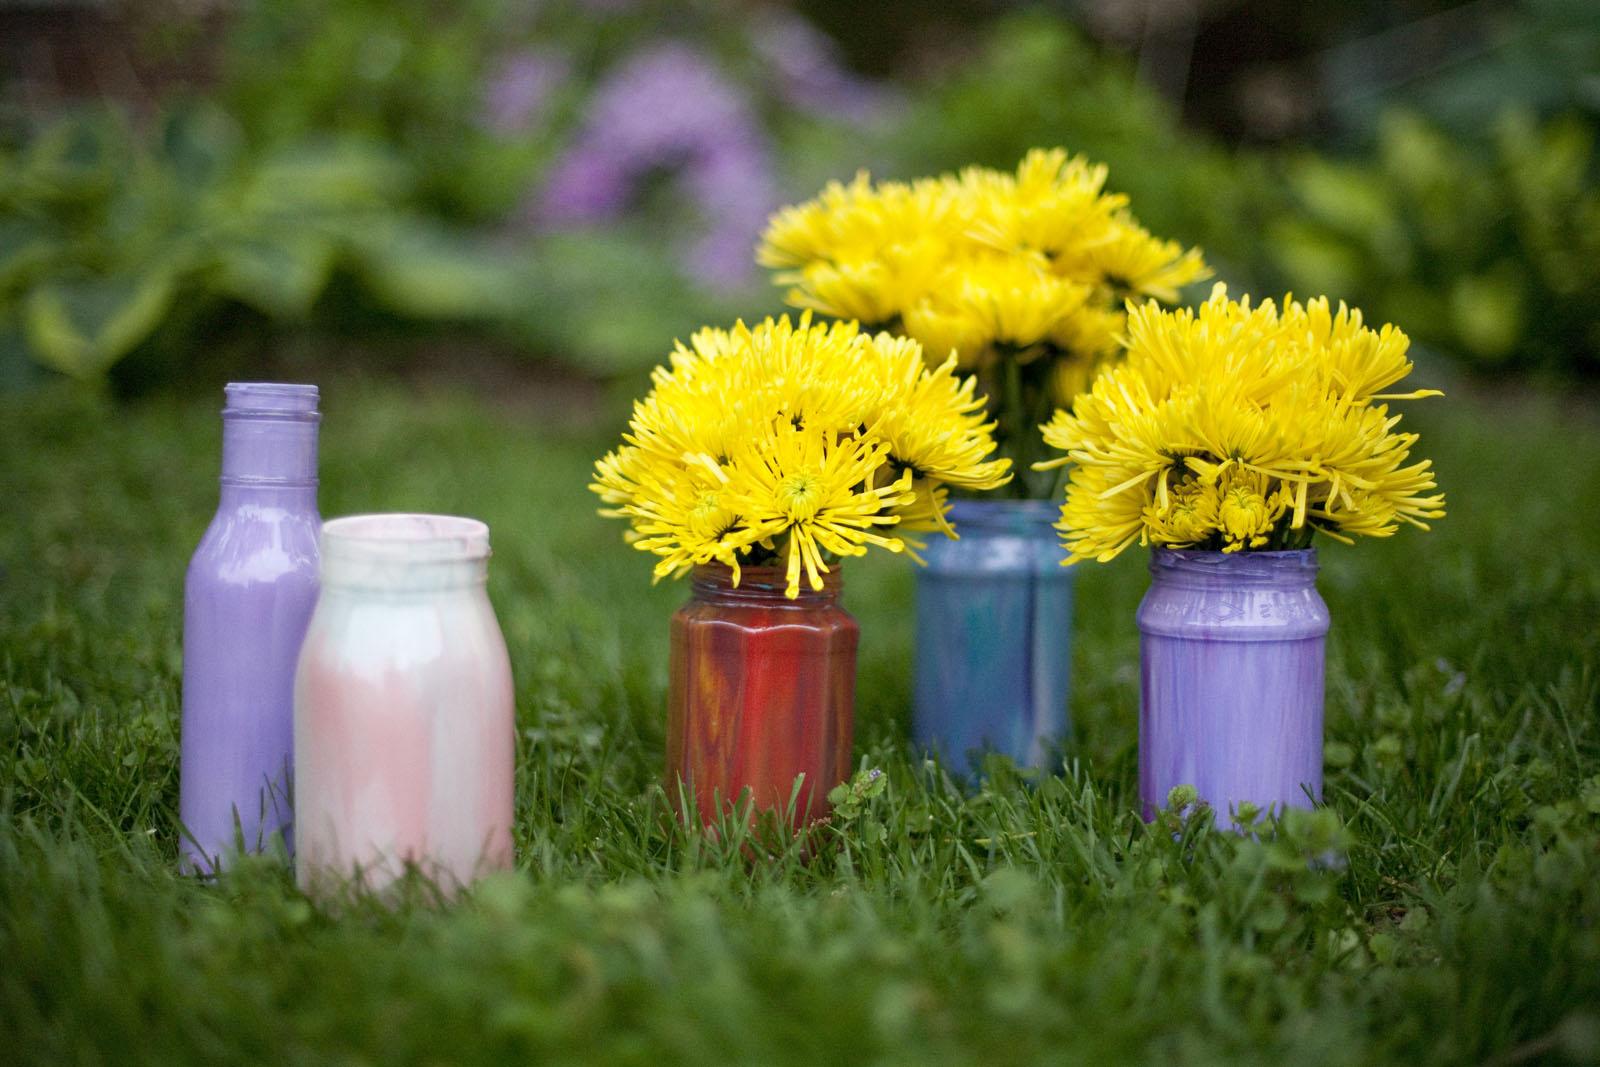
point(1231, 652)
point(248, 597)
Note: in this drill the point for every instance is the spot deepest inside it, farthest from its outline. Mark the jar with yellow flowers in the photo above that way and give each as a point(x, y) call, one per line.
point(1228, 440)
point(762, 458)
point(1021, 277)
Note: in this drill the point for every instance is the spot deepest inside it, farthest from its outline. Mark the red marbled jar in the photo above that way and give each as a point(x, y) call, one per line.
point(762, 689)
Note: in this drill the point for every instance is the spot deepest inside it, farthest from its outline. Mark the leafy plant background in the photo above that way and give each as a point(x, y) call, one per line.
point(582, 181)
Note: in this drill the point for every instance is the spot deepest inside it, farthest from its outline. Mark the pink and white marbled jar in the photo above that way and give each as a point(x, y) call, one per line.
point(403, 712)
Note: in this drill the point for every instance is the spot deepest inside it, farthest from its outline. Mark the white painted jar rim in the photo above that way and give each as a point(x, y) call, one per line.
point(406, 538)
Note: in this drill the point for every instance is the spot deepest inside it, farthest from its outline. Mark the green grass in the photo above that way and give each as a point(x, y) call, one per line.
point(1023, 923)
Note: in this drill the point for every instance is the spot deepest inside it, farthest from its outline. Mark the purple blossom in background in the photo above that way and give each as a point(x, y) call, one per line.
point(810, 74)
point(735, 189)
point(667, 108)
point(519, 91)
point(588, 184)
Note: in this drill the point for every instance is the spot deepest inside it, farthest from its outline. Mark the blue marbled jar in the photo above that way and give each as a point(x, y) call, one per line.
point(994, 636)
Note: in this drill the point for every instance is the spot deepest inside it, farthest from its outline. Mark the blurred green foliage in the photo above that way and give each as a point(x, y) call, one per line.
point(1540, 56)
point(404, 73)
point(343, 143)
point(107, 236)
point(1491, 252)
point(347, 173)
point(1486, 248)
point(1039, 81)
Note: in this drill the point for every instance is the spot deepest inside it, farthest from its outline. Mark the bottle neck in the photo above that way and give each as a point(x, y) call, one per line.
point(287, 496)
point(761, 587)
point(269, 450)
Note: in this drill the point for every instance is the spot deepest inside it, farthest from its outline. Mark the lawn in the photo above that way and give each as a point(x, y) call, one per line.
point(1443, 908)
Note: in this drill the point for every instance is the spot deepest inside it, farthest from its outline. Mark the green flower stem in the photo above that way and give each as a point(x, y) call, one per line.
point(1016, 440)
point(1020, 402)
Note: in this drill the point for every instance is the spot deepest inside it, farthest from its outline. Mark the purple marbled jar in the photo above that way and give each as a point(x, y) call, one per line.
point(248, 597)
point(1231, 653)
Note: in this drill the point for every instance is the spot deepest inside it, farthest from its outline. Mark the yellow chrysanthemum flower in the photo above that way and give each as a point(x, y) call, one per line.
point(680, 513)
point(1128, 259)
point(814, 490)
point(1188, 517)
point(1239, 427)
point(863, 251)
point(1020, 274)
point(1015, 301)
point(1054, 203)
point(860, 220)
point(933, 421)
point(794, 442)
point(1248, 508)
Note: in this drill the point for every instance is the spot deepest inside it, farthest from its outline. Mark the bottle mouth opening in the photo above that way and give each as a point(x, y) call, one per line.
point(271, 399)
point(409, 538)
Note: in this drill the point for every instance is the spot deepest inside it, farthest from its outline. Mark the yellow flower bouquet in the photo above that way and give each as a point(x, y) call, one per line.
point(1228, 437)
point(1239, 428)
point(1021, 275)
point(795, 444)
point(760, 458)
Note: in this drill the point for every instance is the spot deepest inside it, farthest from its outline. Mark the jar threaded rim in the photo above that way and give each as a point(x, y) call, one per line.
point(406, 537)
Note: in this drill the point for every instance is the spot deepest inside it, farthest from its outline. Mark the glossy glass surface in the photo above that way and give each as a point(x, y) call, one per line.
point(248, 595)
point(1231, 679)
point(994, 636)
point(404, 717)
point(762, 690)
